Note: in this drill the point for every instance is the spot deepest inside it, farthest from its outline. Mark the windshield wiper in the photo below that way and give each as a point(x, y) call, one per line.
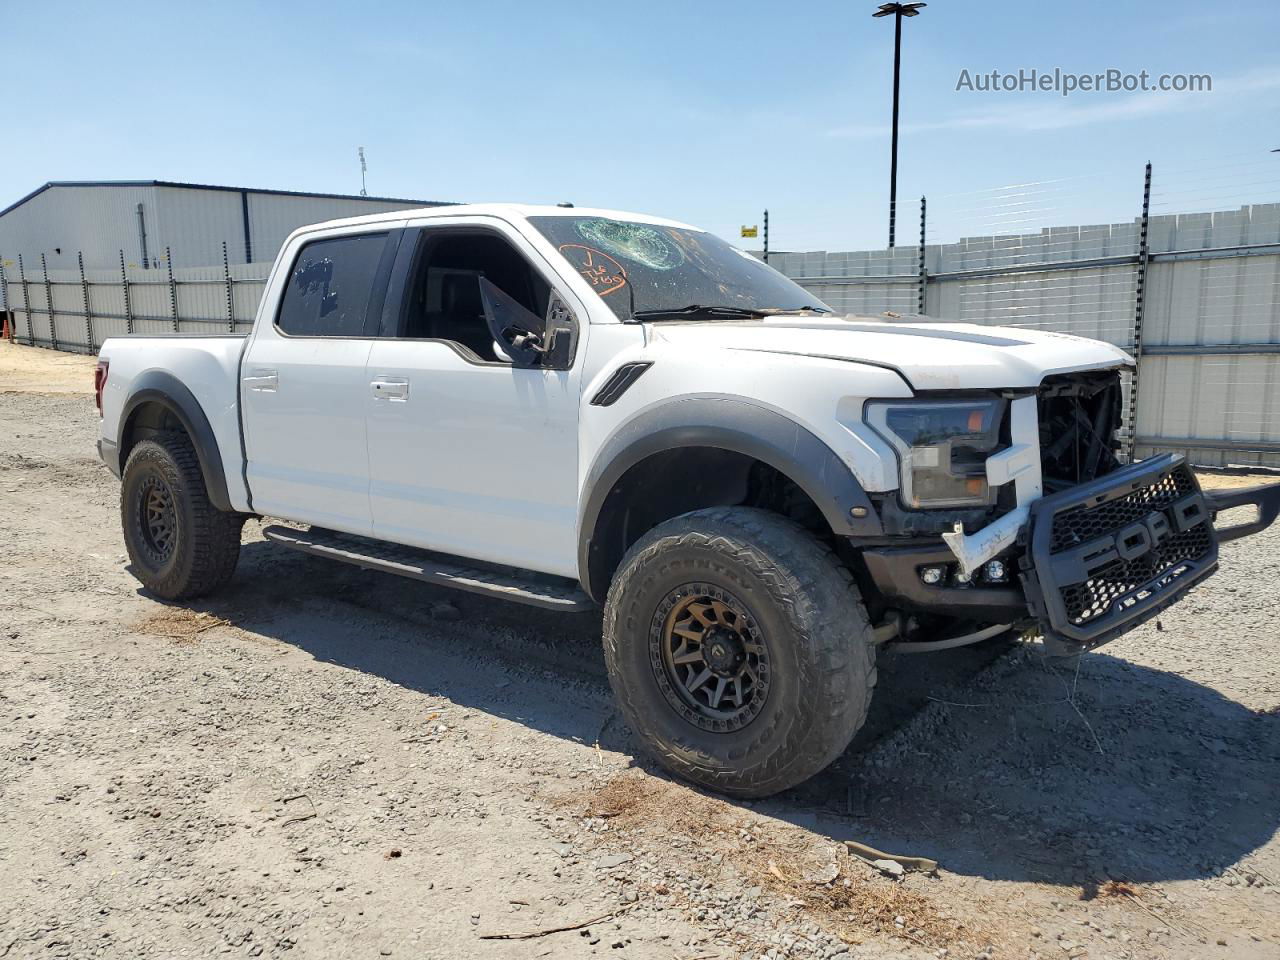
point(698, 310)
point(778, 311)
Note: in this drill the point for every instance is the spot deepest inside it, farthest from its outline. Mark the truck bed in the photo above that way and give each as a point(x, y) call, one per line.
point(207, 366)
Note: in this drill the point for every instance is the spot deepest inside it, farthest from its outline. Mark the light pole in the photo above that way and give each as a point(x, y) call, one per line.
point(898, 11)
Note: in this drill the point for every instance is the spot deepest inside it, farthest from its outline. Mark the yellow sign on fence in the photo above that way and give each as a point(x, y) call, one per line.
point(748, 231)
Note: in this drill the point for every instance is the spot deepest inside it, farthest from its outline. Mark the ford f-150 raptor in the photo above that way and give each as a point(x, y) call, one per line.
point(571, 408)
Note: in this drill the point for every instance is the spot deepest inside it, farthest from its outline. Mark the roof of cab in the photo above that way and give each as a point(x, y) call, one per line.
point(504, 211)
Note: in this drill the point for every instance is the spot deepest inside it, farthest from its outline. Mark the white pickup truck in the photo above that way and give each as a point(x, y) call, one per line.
point(572, 408)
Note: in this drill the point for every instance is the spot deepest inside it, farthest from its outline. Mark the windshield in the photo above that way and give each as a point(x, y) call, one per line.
point(643, 268)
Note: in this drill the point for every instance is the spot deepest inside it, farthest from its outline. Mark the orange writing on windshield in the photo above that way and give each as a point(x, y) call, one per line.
point(605, 274)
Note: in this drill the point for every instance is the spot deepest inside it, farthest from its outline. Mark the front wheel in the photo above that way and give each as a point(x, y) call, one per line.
point(180, 544)
point(739, 650)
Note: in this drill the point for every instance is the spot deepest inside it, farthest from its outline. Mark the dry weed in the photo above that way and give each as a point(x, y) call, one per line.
point(180, 624)
point(818, 879)
point(1117, 888)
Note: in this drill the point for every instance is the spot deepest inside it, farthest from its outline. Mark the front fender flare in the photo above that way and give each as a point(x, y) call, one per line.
point(157, 386)
point(743, 428)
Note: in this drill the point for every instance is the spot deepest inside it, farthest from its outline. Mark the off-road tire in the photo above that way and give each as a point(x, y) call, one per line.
point(203, 542)
point(813, 620)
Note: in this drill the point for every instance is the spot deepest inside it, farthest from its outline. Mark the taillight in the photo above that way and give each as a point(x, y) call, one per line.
point(100, 382)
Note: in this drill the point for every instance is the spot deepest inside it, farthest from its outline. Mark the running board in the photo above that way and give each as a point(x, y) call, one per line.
point(436, 568)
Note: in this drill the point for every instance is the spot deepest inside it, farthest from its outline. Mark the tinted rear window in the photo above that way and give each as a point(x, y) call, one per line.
point(329, 288)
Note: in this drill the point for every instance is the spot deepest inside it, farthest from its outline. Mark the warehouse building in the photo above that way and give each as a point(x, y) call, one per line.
point(149, 220)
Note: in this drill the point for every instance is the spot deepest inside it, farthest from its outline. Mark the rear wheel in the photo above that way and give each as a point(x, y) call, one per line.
point(739, 650)
point(181, 545)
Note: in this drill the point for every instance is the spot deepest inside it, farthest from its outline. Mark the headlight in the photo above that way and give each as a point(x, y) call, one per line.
point(942, 448)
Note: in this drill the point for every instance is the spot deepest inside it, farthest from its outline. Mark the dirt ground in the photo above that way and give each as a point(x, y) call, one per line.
point(327, 762)
point(30, 369)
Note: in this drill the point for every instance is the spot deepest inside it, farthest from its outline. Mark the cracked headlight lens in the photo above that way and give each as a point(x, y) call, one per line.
point(942, 448)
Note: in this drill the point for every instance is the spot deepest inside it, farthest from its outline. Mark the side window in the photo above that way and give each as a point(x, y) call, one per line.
point(330, 287)
point(444, 300)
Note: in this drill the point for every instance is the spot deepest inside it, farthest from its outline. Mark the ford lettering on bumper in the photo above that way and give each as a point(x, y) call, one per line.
point(1107, 555)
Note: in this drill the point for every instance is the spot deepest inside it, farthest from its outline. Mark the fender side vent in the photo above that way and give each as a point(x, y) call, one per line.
point(619, 382)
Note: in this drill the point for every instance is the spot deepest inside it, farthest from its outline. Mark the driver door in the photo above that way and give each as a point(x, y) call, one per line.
point(469, 453)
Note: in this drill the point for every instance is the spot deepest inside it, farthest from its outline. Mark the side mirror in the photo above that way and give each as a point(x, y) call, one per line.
point(517, 329)
point(559, 334)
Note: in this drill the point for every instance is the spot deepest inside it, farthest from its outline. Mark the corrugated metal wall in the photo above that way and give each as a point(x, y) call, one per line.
point(1211, 339)
point(191, 223)
point(977, 280)
point(1209, 377)
point(273, 217)
point(857, 281)
point(96, 221)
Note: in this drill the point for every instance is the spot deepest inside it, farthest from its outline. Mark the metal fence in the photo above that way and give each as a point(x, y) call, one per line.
point(78, 310)
point(1193, 295)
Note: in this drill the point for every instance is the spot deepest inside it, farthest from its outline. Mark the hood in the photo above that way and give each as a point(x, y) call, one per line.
point(929, 356)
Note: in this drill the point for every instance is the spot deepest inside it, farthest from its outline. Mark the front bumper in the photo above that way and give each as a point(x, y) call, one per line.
point(1266, 497)
point(896, 574)
point(1095, 561)
point(1107, 555)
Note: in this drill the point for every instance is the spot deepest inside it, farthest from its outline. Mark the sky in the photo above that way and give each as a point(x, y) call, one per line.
point(706, 112)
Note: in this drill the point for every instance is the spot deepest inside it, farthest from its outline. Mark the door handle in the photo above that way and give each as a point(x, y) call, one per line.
point(390, 388)
point(264, 381)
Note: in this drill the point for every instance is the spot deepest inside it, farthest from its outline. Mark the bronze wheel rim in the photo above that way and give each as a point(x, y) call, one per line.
point(157, 520)
point(710, 657)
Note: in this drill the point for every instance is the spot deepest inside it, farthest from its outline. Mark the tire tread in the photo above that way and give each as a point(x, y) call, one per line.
point(818, 596)
point(214, 535)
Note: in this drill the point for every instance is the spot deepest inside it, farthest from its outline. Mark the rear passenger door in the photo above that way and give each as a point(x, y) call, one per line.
point(303, 384)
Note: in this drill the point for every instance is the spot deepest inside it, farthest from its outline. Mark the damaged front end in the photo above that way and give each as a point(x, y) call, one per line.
point(1107, 555)
point(1073, 543)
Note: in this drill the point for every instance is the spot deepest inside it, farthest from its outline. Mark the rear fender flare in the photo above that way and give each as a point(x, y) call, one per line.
point(159, 387)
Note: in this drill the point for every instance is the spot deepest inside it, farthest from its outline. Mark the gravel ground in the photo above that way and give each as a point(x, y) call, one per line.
point(323, 761)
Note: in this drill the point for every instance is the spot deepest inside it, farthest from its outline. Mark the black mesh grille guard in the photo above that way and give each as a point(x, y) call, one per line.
point(1105, 556)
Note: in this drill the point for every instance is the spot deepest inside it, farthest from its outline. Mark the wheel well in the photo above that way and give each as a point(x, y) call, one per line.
point(673, 482)
point(146, 421)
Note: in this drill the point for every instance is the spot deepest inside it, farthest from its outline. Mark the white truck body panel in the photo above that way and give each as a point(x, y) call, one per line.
point(440, 453)
point(441, 459)
point(207, 366)
point(304, 434)
point(932, 356)
point(304, 424)
point(490, 461)
point(823, 395)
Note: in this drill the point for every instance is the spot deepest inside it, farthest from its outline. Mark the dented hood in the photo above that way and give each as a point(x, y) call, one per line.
point(928, 355)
